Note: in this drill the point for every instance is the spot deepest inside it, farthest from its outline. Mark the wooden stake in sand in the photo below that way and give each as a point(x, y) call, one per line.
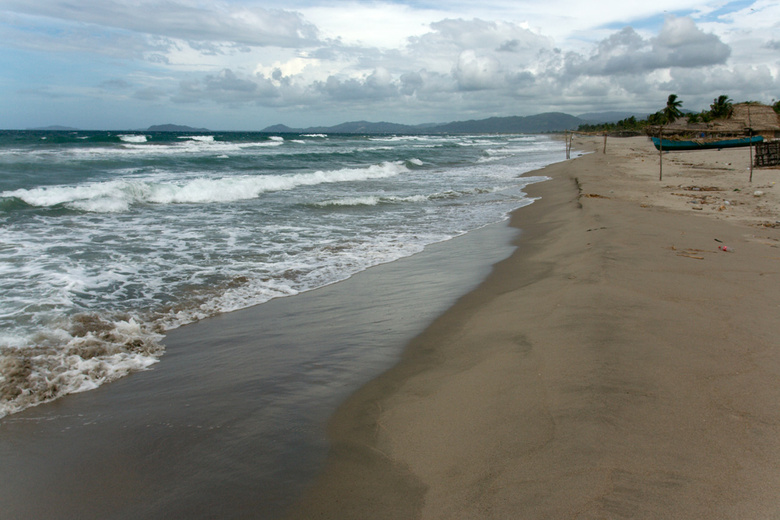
point(750, 142)
point(660, 154)
point(751, 154)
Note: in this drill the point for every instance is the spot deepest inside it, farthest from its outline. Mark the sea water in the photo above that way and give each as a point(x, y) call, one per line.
point(110, 239)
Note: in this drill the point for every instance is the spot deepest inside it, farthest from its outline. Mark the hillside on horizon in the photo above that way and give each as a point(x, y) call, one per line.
point(540, 123)
point(534, 124)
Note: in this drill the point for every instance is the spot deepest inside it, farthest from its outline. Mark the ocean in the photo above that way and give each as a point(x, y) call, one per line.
point(108, 240)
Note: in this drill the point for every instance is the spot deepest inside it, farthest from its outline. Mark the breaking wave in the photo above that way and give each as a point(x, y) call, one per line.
point(84, 353)
point(119, 195)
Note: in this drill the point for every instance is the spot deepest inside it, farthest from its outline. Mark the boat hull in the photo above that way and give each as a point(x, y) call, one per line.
point(671, 145)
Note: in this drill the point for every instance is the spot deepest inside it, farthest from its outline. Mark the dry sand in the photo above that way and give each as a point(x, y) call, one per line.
point(618, 365)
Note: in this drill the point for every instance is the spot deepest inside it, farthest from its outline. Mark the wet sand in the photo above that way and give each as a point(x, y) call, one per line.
point(230, 424)
point(619, 365)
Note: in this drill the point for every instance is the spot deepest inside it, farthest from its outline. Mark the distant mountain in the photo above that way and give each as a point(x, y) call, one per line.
point(175, 128)
point(609, 117)
point(547, 122)
point(56, 128)
point(352, 127)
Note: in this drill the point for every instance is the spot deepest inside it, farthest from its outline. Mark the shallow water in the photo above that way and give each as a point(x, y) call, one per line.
point(231, 423)
point(110, 240)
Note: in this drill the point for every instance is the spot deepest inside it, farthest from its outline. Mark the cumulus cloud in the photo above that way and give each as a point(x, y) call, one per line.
point(236, 54)
point(378, 85)
point(493, 64)
point(475, 72)
point(680, 43)
point(226, 87)
point(773, 44)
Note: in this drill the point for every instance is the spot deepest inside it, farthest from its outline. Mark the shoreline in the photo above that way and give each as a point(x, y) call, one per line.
point(231, 423)
point(618, 364)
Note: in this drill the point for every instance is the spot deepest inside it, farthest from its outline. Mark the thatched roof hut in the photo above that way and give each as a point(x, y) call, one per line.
point(762, 119)
point(745, 117)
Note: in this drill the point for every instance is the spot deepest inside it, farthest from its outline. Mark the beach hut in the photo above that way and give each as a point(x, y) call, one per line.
point(745, 119)
point(751, 118)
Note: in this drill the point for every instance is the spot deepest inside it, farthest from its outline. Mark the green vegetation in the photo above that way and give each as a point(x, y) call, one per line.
point(721, 108)
point(672, 110)
point(631, 125)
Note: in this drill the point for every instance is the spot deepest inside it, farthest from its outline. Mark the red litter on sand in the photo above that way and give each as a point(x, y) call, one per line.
point(726, 249)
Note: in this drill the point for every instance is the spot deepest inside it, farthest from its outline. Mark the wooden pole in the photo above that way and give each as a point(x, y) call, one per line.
point(605, 143)
point(750, 136)
point(750, 143)
point(660, 154)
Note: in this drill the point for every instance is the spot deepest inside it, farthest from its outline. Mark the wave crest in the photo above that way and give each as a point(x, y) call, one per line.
point(96, 351)
point(119, 195)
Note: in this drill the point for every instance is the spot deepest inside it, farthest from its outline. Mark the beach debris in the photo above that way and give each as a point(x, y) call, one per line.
point(726, 248)
point(593, 196)
point(758, 193)
point(690, 252)
point(701, 188)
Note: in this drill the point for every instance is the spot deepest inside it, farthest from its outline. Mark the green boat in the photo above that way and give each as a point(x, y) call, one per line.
point(672, 145)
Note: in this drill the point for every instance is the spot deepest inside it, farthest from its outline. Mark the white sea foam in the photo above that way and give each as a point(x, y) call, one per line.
point(133, 138)
point(371, 200)
point(119, 195)
point(199, 138)
point(93, 352)
point(159, 239)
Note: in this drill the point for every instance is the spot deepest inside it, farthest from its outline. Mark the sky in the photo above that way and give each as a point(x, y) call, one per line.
point(249, 64)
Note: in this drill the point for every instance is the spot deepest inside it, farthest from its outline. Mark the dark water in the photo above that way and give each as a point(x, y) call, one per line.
point(110, 240)
point(231, 423)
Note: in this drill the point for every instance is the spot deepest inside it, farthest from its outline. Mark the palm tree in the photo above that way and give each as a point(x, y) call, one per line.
point(721, 108)
point(672, 110)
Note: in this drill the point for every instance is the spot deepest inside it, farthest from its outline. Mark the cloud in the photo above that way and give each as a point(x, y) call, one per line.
point(740, 78)
point(378, 85)
point(115, 84)
point(226, 88)
point(191, 20)
point(475, 72)
point(679, 44)
point(150, 94)
point(467, 62)
point(233, 58)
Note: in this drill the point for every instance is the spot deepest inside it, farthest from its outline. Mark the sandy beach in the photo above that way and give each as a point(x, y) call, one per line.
point(621, 364)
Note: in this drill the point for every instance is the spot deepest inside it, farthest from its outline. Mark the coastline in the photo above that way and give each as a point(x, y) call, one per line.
point(231, 423)
point(619, 364)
